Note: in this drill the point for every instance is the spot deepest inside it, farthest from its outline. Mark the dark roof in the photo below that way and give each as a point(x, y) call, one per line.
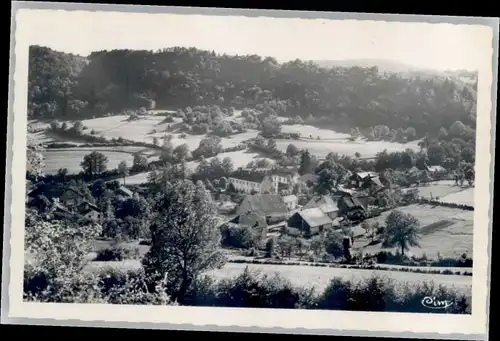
point(252, 219)
point(248, 175)
point(320, 200)
point(351, 202)
point(263, 204)
point(125, 190)
point(314, 217)
point(283, 171)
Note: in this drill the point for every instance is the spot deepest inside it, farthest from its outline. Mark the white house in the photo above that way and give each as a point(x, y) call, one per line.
point(249, 182)
point(291, 201)
point(284, 176)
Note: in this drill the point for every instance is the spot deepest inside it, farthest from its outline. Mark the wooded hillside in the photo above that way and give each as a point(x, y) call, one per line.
point(65, 85)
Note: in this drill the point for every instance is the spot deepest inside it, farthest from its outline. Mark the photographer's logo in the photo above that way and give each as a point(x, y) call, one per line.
point(433, 303)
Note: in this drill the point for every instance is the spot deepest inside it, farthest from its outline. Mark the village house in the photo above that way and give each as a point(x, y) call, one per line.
point(436, 171)
point(269, 206)
point(284, 176)
point(253, 221)
point(124, 191)
point(325, 203)
point(248, 182)
point(291, 201)
point(372, 184)
point(357, 179)
point(89, 211)
point(352, 207)
point(310, 221)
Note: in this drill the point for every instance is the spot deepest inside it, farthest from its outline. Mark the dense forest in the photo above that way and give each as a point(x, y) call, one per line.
point(69, 86)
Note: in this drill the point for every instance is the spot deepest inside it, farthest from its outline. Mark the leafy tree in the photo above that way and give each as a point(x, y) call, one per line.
point(330, 178)
point(181, 153)
point(123, 170)
point(94, 163)
point(185, 237)
point(307, 163)
point(292, 150)
point(140, 162)
point(58, 250)
point(402, 230)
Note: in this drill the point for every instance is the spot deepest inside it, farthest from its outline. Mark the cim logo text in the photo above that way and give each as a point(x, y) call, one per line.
point(433, 303)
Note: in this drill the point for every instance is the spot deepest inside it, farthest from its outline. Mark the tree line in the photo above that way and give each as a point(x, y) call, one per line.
point(65, 85)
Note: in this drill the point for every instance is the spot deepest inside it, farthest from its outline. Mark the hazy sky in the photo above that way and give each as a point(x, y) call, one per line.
point(436, 46)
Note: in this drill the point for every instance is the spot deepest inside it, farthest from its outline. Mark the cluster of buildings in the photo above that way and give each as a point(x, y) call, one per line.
point(268, 202)
point(66, 202)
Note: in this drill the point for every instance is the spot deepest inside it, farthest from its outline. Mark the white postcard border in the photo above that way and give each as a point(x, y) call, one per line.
point(255, 320)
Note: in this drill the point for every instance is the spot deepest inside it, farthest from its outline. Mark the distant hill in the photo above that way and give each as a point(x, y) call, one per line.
point(383, 65)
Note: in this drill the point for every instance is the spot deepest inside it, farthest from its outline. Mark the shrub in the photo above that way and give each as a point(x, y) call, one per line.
point(117, 253)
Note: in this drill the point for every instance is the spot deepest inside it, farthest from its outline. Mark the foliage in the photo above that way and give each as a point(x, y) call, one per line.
point(94, 163)
point(117, 253)
point(58, 250)
point(62, 84)
point(185, 237)
point(402, 230)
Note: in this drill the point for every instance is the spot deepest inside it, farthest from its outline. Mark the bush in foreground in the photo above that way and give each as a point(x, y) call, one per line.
point(117, 253)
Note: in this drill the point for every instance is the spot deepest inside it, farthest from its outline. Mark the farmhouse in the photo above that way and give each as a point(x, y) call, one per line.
point(269, 206)
point(352, 207)
point(248, 182)
point(252, 220)
point(124, 191)
point(436, 169)
point(284, 176)
point(326, 204)
point(310, 221)
point(67, 196)
point(89, 211)
point(357, 179)
point(290, 201)
point(372, 184)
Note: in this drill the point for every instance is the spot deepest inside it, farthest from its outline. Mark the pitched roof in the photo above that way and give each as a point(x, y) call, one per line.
point(314, 217)
point(283, 171)
point(264, 204)
point(289, 198)
point(364, 175)
point(125, 190)
point(376, 181)
point(248, 176)
point(328, 208)
point(351, 202)
point(319, 200)
point(436, 168)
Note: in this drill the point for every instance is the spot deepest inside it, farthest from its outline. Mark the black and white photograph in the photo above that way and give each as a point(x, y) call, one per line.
point(314, 165)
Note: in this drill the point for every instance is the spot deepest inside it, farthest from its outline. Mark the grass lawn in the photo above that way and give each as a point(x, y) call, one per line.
point(321, 148)
point(71, 159)
point(319, 277)
point(448, 231)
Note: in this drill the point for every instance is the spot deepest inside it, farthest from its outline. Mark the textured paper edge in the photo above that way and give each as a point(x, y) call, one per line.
point(255, 320)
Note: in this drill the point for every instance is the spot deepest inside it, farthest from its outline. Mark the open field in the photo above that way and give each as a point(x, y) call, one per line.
point(71, 159)
point(319, 277)
point(444, 188)
point(321, 148)
point(447, 231)
point(308, 276)
point(239, 158)
point(465, 197)
point(307, 131)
